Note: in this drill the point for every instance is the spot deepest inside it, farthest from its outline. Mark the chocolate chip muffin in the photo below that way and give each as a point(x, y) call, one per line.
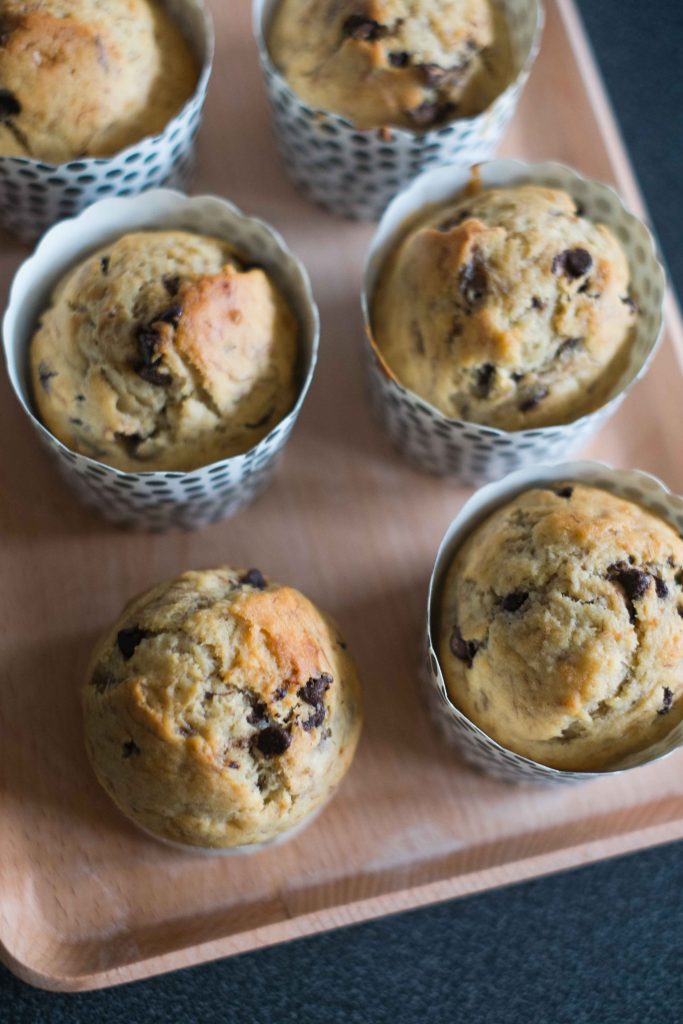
point(88, 77)
point(410, 63)
point(508, 308)
point(561, 627)
point(164, 351)
point(221, 709)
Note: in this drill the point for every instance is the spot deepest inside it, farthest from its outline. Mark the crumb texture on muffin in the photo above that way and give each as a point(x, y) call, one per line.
point(507, 308)
point(87, 78)
point(561, 627)
point(221, 709)
point(410, 63)
point(164, 351)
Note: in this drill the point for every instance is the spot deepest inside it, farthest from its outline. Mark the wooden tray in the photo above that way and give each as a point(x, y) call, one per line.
point(87, 901)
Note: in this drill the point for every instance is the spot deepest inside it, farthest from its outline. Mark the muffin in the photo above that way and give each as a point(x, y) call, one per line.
point(221, 709)
point(507, 308)
point(164, 350)
point(86, 78)
point(560, 631)
point(409, 63)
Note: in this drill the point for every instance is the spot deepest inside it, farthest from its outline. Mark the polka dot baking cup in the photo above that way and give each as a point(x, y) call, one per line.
point(159, 500)
point(469, 452)
point(34, 195)
point(479, 749)
point(356, 173)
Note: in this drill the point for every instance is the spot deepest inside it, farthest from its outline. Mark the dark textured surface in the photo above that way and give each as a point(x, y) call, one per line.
point(601, 945)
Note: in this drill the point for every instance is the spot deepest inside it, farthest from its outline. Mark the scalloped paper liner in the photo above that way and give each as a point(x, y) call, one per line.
point(34, 195)
point(159, 500)
point(479, 749)
point(469, 452)
point(356, 173)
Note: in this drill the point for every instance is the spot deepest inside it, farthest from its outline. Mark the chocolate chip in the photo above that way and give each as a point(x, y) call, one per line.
point(428, 114)
point(433, 74)
point(573, 263)
point(399, 60)
point(171, 283)
point(564, 492)
point(9, 105)
point(473, 280)
point(516, 376)
point(104, 264)
point(187, 730)
point(455, 221)
point(661, 587)
point(76, 422)
point(631, 303)
point(463, 650)
point(280, 693)
point(579, 209)
point(45, 375)
point(233, 764)
point(568, 346)
point(147, 367)
point(484, 377)
point(171, 315)
point(128, 640)
point(634, 583)
point(80, 398)
point(130, 749)
point(262, 421)
point(273, 740)
point(667, 703)
point(208, 696)
point(536, 303)
point(680, 611)
point(254, 578)
point(534, 398)
point(258, 713)
point(313, 693)
point(364, 29)
point(513, 602)
point(152, 375)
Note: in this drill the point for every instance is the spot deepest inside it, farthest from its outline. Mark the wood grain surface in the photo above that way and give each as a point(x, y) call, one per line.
point(86, 900)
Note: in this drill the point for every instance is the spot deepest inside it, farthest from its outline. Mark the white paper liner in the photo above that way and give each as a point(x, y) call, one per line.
point(475, 454)
point(34, 194)
point(355, 173)
point(478, 748)
point(159, 500)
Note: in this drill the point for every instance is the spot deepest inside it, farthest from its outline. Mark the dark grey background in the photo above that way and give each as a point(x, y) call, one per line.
point(600, 945)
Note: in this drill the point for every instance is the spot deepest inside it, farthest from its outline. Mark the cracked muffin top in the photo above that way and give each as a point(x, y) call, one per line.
point(164, 351)
point(87, 78)
point(507, 308)
point(410, 63)
point(221, 709)
point(561, 627)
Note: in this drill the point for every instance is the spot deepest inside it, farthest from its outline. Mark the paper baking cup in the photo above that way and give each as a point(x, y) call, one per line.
point(159, 500)
point(470, 452)
point(478, 748)
point(34, 195)
point(355, 173)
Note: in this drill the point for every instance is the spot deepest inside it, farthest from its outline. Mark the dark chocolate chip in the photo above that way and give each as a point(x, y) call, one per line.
point(104, 264)
point(280, 693)
point(667, 703)
point(428, 114)
point(152, 375)
point(533, 399)
point(76, 422)
point(462, 649)
point(434, 74)
point(680, 611)
point(536, 303)
point(254, 578)
point(399, 60)
point(258, 713)
point(568, 346)
point(564, 492)
point(80, 398)
point(171, 315)
point(9, 105)
point(273, 740)
point(312, 693)
point(357, 26)
point(573, 263)
point(484, 378)
point(262, 421)
point(147, 367)
point(233, 764)
point(516, 376)
point(473, 280)
point(130, 749)
point(634, 583)
point(171, 283)
point(128, 640)
point(208, 696)
point(631, 303)
point(513, 602)
point(661, 587)
point(455, 221)
point(45, 375)
point(579, 209)
point(187, 730)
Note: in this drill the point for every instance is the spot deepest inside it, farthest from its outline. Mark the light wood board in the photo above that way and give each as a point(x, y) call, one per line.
point(87, 901)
